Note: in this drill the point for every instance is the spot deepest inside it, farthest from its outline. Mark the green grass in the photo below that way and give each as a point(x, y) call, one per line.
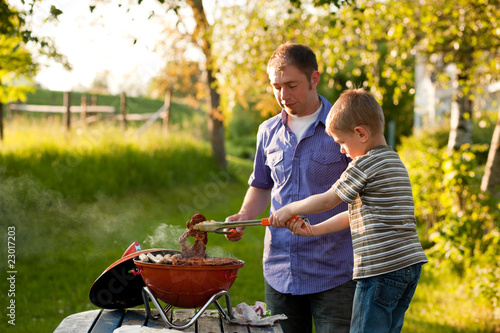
point(102, 160)
point(441, 304)
point(118, 189)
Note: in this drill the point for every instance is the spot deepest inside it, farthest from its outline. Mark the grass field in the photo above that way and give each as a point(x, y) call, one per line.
point(78, 201)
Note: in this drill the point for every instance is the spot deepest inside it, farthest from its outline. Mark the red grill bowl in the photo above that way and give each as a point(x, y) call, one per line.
point(187, 286)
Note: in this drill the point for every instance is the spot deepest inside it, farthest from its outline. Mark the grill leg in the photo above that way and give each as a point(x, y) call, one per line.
point(148, 296)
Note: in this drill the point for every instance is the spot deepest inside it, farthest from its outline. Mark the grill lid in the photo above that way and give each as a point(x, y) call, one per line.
point(117, 287)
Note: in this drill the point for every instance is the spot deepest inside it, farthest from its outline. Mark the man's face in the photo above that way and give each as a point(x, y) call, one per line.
point(293, 91)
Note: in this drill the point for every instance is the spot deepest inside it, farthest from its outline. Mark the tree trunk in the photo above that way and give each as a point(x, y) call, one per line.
point(461, 122)
point(166, 113)
point(123, 110)
point(202, 35)
point(215, 122)
point(1, 121)
point(424, 115)
point(491, 178)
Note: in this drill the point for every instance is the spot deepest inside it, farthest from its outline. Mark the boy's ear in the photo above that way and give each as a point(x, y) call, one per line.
point(362, 132)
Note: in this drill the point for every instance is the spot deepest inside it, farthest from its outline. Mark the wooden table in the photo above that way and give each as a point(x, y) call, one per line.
point(106, 321)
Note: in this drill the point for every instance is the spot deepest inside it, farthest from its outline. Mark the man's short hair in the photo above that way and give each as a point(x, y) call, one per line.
point(298, 55)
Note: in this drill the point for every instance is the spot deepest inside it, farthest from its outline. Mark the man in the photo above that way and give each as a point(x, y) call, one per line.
point(305, 277)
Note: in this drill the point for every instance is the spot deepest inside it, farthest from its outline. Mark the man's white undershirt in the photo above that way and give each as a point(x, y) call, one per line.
point(299, 125)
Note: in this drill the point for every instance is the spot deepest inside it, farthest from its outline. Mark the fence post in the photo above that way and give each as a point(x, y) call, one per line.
point(166, 113)
point(67, 105)
point(123, 109)
point(83, 117)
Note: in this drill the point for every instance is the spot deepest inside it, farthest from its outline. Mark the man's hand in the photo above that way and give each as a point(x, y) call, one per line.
point(236, 233)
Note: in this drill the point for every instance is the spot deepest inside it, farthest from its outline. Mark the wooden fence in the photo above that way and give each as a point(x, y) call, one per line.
point(92, 113)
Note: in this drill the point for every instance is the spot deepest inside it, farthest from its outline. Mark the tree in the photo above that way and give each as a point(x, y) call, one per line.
point(199, 35)
point(346, 57)
point(17, 67)
point(202, 36)
point(181, 77)
point(16, 64)
point(464, 33)
point(100, 84)
point(491, 178)
point(243, 43)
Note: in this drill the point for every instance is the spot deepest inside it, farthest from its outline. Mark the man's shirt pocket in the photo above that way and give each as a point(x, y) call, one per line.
point(324, 168)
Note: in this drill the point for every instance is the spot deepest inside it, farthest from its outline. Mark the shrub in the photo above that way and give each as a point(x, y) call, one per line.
point(461, 223)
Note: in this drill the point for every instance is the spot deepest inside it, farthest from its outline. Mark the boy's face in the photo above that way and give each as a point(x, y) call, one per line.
point(293, 91)
point(350, 143)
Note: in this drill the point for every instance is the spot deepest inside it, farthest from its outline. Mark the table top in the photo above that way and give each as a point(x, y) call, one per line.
point(106, 321)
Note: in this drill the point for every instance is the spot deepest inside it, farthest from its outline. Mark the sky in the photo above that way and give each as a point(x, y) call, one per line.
point(100, 44)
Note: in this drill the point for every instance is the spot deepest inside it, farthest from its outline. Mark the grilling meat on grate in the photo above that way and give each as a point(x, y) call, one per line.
point(191, 255)
point(196, 255)
point(201, 239)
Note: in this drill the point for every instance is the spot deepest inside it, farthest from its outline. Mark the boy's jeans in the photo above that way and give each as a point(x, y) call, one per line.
point(380, 302)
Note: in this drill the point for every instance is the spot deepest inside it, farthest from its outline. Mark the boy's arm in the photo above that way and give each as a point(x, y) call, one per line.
point(333, 224)
point(311, 205)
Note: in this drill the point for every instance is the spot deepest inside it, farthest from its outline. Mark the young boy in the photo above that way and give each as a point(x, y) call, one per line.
point(387, 252)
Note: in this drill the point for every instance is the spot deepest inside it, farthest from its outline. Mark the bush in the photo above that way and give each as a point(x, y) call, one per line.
point(460, 222)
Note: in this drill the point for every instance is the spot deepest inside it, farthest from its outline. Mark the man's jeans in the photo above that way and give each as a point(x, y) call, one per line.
point(331, 309)
point(380, 302)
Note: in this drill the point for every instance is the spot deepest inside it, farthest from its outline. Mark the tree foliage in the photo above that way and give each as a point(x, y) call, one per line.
point(183, 78)
point(17, 66)
point(192, 28)
point(365, 43)
point(347, 55)
point(465, 33)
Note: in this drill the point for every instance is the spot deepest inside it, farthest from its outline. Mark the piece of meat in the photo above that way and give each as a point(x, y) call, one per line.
point(198, 249)
point(195, 255)
point(206, 262)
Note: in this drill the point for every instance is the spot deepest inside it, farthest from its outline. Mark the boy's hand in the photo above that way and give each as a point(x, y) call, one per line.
point(300, 227)
point(280, 218)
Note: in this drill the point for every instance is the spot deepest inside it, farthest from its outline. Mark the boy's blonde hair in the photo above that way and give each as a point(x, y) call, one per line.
point(355, 107)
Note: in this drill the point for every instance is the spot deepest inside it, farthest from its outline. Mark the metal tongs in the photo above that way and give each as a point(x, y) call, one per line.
point(218, 227)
